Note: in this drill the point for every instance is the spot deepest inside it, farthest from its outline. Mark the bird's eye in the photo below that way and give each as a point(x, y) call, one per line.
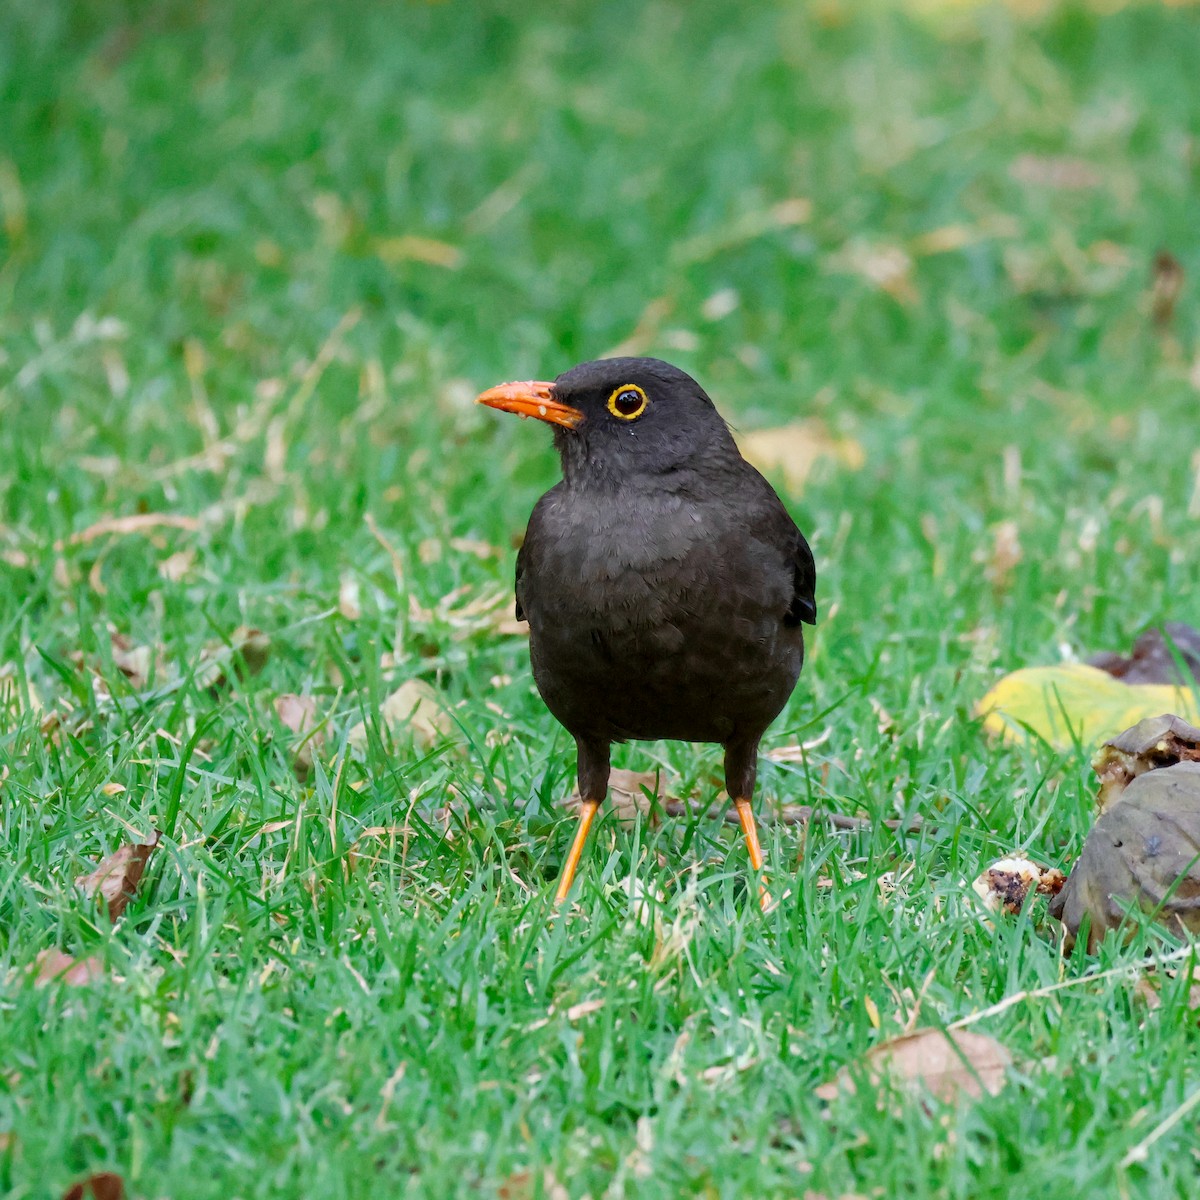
point(628, 402)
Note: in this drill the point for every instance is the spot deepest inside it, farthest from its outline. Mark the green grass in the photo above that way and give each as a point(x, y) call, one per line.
point(205, 311)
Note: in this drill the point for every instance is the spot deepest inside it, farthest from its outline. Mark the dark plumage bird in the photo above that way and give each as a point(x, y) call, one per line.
point(663, 580)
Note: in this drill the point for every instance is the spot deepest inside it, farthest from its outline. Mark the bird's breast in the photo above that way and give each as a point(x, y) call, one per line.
point(659, 620)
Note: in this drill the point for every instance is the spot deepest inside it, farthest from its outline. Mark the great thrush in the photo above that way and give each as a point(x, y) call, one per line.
point(663, 580)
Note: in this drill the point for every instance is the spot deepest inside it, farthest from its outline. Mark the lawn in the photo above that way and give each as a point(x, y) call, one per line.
point(255, 262)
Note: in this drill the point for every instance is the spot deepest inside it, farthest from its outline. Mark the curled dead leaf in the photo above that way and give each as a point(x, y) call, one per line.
point(299, 715)
point(794, 450)
point(1166, 654)
point(946, 1064)
point(115, 881)
point(103, 1186)
point(53, 966)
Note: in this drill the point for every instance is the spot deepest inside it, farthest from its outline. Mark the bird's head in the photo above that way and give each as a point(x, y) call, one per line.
point(618, 418)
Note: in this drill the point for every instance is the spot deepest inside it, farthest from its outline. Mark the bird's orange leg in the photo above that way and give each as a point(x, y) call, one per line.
point(753, 847)
point(587, 811)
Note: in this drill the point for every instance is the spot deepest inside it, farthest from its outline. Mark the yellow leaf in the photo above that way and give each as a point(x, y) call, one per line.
point(1073, 700)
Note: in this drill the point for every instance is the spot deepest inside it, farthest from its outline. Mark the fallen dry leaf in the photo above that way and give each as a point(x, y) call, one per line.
point(299, 715)
point(103, 1186)
point(1149, 988)
point(1166, 284)
point(1004, 556)
point(349, 598)
point(175, 568)
point(136, 663)
point(115, 881)
point(1054, 171)
point(886, 267)
point(1054, 702)
point(413, 708)
point(53, 966)
point(946, 1064)
point(1005, 885)
point(793, 450)
point(1154, 657)
point(246, 654)
point(632, 794)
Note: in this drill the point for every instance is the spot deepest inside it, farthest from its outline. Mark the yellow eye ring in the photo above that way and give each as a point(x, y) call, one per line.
point(628, 402)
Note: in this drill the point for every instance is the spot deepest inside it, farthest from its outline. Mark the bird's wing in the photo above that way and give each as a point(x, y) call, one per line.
point(787, 536)
point(529, 549)
point(804, 584)
point(520, 607)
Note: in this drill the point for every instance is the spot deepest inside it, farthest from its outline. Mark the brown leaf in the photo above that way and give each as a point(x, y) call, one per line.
point(632, 794)
point(136, 663)
point(299, 714)
point(1057, 172)
point(413, 708)
point(1004, 556)
point(947, 1064)
point(1148, 990)
point(245, 655)
point(1165, 287)
point(178, 566)
point(349, 598)
point(793, 450)
point(53, 966)
point(1153, 659)
point(886, 267)
point(115, 881)
point(103, 1186)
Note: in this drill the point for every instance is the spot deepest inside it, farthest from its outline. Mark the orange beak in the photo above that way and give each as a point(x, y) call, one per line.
point(531, 399)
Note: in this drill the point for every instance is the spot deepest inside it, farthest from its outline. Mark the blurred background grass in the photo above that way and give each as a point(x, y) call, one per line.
point(254, 264)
